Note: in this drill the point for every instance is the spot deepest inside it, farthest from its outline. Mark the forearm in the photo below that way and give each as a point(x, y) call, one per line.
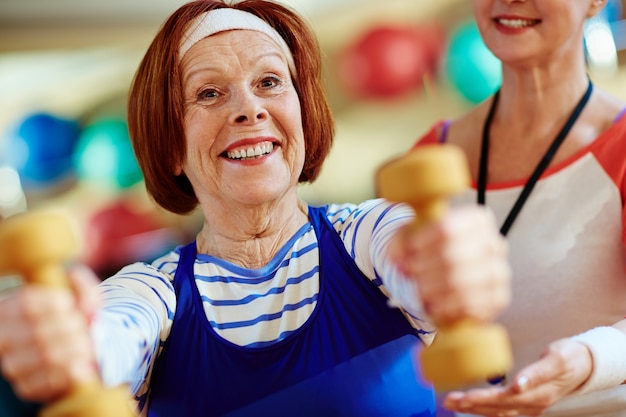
point(135, 319)
point(124, 353)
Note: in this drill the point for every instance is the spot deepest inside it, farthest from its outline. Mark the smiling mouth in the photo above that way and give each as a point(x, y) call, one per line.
point(517, 23)
point(250, 152)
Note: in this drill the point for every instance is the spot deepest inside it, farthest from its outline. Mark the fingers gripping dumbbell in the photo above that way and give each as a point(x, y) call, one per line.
point(463, 352)
point(36, 246)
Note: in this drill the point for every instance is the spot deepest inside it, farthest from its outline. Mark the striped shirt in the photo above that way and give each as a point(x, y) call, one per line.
point(248, 307)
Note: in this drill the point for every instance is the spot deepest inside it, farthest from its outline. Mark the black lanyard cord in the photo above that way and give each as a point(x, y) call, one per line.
point(541, 167)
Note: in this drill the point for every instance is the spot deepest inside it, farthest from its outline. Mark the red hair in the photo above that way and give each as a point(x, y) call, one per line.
point(155, 104)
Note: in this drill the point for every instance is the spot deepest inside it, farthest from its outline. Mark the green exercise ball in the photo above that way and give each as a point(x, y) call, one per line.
point(471, 68)
point(104, 154)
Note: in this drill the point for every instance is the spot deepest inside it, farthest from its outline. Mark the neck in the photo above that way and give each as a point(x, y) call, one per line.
point(250, 236)
point(541, 166)
point(541, 95)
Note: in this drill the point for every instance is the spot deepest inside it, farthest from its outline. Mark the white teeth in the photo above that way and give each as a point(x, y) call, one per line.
point(251, 152)
point(516, 23)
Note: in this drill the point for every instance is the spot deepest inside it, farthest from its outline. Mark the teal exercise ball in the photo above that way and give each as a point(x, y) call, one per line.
point(104, 154)
point(469, 66)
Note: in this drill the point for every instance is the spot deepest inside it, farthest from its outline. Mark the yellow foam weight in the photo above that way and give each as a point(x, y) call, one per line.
point(466, 353)
point(36, 245)
point(462, 353)
point(91, 400)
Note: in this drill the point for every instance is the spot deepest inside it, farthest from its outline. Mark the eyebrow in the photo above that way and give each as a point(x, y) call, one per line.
point(257, 61)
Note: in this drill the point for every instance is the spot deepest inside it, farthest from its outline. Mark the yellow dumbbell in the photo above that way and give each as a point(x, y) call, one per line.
point(36, 246)
point(464, 352)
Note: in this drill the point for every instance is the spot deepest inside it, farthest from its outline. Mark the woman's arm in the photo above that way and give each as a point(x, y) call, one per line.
point(455, 268)
point(138, 308)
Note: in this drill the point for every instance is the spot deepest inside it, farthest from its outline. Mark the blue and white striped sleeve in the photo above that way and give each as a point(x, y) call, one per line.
point(366, 230)
point(138, 309)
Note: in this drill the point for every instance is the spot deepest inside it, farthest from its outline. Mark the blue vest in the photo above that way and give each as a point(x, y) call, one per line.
point(352, 357)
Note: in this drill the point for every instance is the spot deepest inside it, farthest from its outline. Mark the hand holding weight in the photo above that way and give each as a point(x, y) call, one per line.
point(463, 352)
point(36, 245)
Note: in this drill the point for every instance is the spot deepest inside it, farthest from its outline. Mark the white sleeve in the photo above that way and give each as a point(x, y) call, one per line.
point(607, 346)
point(138, 308)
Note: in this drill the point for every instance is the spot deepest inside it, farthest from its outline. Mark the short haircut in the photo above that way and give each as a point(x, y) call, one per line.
point(156, 103)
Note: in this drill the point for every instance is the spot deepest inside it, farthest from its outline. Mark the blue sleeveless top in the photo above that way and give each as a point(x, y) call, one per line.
point(354, 356)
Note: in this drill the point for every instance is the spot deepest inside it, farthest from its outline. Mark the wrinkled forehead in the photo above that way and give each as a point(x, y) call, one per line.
point(223, 53)
point(225, 19)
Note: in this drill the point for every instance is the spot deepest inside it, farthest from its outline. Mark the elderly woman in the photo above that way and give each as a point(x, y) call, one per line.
point(277, 307)
point(547, 155)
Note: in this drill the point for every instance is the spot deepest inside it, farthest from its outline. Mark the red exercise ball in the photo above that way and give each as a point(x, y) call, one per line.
point(121, 233)
point(390, 61)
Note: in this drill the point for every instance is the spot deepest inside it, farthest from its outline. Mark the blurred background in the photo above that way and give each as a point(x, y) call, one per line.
point(392, 69)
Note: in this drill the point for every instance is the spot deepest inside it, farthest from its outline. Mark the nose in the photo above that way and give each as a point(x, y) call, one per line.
point(248, 109)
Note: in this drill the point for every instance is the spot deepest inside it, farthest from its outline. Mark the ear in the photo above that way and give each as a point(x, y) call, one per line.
point(595, 7)
point(178, 169)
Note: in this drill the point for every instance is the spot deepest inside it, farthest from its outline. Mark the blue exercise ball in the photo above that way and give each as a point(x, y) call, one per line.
point(40, 148)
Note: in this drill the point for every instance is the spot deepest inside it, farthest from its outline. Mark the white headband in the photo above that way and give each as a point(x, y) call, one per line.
point(221, 20)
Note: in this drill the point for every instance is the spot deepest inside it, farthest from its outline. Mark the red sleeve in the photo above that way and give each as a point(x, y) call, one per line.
point(610, 150)
point(432, 136)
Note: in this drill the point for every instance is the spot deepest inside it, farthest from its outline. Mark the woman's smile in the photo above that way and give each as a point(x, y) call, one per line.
point(246, 152)
point(516, 23)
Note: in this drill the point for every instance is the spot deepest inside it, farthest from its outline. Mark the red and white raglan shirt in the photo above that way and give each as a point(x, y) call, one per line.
point(567, 252)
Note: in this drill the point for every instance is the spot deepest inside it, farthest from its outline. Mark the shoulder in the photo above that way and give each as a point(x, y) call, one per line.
point(337, 212)
point(350, 211)
point(462, 131)
point(162, 268)
point(605, 111)
point(466, 130)
point(609, 149)
point(605, 124)
point(610, 102)
point(374, 212)
point(167, 263)
point(436, 133)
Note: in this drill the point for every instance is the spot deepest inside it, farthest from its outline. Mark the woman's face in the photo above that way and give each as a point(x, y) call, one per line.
point(243, 126)
point(532, 31)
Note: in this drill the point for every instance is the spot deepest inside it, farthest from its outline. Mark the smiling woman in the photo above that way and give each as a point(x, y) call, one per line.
point(251, 152)
point(546, 153)
point(238, 97)
point(277, 307)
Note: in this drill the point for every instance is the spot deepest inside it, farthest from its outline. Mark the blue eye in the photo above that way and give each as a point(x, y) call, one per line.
point(208, 94)
point(270, 82)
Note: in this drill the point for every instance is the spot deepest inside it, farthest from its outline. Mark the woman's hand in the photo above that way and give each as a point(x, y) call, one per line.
point(563, 367)
point(460, 264)
point(45, 348)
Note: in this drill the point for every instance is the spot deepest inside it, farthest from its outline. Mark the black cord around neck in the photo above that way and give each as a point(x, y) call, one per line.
point(541, 167)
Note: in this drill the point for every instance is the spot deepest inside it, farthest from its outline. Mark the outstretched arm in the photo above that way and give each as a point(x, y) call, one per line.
point(45, 348)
